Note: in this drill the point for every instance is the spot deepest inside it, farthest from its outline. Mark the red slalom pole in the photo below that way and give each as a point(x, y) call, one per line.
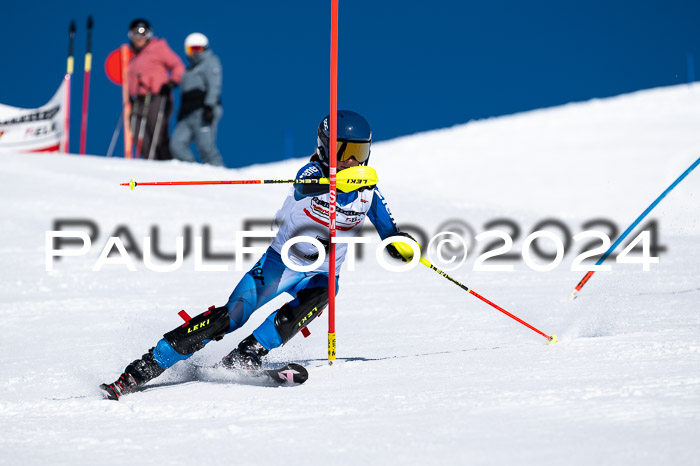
point(550, 339)
point(125, 56)
point(332, 165)
point(86, 87)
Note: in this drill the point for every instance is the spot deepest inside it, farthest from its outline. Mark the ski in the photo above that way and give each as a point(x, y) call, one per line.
point(288, 375)
point(291, 374)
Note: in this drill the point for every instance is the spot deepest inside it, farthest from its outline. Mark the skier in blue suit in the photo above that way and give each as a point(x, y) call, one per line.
point(305, 212)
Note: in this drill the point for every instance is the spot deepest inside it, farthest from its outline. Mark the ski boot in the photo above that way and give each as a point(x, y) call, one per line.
point(248, 355)
point(136, 374)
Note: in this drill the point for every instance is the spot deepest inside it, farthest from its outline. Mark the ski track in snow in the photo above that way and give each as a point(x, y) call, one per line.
point(426, 373)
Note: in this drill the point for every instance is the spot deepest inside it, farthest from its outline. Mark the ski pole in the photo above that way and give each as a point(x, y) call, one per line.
point(142, 125)
point(67, 78)
point(629, 229)
point(156, 131)
point(136, 108)
point(132, 184)
point(86, 87)
point(550, 339)
point(115, 135)
point(144, 118)
point(347, 180)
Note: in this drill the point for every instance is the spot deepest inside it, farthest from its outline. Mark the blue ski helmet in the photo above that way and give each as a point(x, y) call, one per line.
point(354, 137)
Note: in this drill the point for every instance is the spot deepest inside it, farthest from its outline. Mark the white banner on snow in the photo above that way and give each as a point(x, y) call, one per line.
point(34, 129)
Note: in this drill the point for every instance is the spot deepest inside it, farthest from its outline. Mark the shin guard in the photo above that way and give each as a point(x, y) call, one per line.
point(290, 320)
point(210, 325)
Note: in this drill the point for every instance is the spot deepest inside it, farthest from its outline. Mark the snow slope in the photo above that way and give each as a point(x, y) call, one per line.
point(426, 373)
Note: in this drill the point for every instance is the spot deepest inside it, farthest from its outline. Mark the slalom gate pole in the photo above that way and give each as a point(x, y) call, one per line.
point(126, 102)
point(67, 78)
point(629, 229)
point(86, 87)
point(550, 339)
point(332, 158)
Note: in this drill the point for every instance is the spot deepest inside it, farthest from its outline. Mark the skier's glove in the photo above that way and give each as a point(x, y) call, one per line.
point(167, 87)
point(207, 115)
point(401, 251)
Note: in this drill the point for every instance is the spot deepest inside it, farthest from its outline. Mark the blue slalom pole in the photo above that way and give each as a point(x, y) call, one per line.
point(632, 227)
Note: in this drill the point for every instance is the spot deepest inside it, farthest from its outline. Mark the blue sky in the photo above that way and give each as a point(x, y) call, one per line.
point(408, 66)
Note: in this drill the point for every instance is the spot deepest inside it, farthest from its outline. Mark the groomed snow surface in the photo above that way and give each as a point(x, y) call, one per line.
point(426, 373)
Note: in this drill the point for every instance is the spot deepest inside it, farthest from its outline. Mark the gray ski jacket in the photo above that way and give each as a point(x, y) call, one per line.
point(201, 83)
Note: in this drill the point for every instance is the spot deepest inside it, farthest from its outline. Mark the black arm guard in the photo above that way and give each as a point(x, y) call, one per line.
point(290, 320)
point(310, 189)
point(210, 325)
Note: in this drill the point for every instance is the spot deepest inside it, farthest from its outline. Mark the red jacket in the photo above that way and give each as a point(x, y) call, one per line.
point(153, 66)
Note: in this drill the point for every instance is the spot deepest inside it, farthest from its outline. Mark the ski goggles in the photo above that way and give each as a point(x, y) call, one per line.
point(140, 32)
point(190, 49)
point(349, 149)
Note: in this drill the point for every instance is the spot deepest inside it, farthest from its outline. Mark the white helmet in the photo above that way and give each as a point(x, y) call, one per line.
point(194, 41)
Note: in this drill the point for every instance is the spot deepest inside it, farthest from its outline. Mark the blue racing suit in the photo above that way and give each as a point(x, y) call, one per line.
point(305, 212)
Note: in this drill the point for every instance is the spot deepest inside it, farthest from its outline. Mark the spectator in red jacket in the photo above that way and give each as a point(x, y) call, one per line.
point(154, 70)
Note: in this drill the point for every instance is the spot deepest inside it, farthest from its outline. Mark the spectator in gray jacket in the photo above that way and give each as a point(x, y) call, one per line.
point(200, 107)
